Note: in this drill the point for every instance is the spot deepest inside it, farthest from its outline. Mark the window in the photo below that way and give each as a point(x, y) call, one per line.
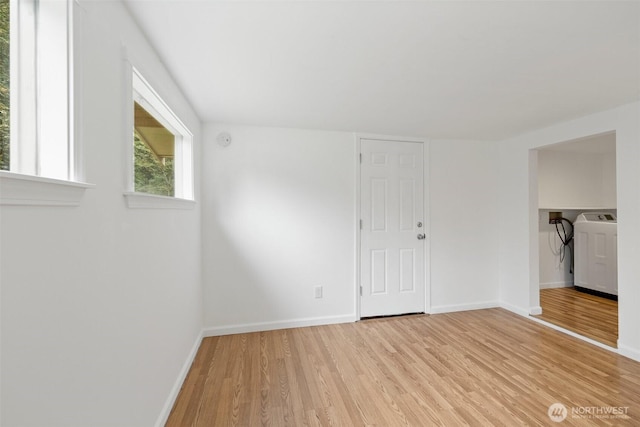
point(36, 88)
point(153, 154)
point(5, 143)
point(39, 163)
point(162, 146)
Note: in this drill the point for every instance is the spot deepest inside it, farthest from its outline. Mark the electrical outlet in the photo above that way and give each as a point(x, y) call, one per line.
point(318, 291)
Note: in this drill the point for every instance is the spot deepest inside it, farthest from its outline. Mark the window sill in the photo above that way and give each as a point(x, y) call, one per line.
point(152, 201)
point(28, 190)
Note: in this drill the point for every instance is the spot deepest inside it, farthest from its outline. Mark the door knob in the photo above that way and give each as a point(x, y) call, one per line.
point(421, 236)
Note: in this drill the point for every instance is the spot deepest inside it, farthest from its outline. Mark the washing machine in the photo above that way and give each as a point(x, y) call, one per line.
point(596, 253)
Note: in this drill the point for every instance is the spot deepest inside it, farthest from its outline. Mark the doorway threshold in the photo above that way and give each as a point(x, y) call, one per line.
point(573, 334)
point(391, 316)
point(587, 315)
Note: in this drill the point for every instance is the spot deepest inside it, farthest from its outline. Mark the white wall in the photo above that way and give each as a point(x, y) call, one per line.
point(554, 270)
point(464, 225)
point(571, 179)
point(609, 184)
point(518, 203)
point(278, 219)
point(101, 305)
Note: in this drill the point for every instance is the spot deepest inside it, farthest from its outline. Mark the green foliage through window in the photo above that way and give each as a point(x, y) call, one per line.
point(4, 85)
point(152, 175)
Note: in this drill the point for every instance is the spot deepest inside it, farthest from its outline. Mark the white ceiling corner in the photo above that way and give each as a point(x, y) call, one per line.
point(457, 69)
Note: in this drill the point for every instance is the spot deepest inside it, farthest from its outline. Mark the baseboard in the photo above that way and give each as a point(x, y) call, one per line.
point(553, 285)
point(575, 335)
point(629, 352)
point(538, 310)
point(439, 309)
point(173, 395)
point(280, 324)
point(517, 310)
point(622, 350)
point(535, 311)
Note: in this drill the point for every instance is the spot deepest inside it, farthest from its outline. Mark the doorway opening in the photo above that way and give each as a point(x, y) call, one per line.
point(577, 236)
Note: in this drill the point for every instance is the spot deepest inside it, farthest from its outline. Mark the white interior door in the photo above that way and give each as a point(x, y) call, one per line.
point(392, 238)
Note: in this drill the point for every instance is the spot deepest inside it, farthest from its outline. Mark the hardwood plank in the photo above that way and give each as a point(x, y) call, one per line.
point(485, 367)
point(588, 315)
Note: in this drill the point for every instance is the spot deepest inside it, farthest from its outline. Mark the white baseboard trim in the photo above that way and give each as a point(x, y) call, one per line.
point(515, 309)
point(622, 350)
point(173, 395)
point(439, 309)
point(535, 311)
point(553, 285)
point(280, 324)
point(629, 352)
point(573, 334)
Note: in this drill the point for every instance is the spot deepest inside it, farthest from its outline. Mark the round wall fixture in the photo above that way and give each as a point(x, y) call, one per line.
point(223, 139)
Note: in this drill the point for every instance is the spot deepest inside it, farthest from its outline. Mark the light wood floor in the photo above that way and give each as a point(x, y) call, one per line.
point(485, 367)
point(588, 315)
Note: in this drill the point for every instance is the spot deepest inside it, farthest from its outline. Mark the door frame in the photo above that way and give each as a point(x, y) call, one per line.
point(426, 221)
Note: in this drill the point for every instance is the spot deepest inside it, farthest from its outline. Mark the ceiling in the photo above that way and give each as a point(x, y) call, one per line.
point(454, 69)
point(157, 137)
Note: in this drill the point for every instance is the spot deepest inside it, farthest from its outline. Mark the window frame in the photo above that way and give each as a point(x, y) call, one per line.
point(25, 183)
point(143, 92)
